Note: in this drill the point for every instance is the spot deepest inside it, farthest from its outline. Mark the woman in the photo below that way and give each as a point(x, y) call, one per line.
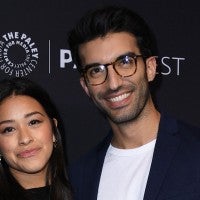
point(32, 161)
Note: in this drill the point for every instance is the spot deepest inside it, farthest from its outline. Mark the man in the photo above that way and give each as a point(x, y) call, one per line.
point(147, 155)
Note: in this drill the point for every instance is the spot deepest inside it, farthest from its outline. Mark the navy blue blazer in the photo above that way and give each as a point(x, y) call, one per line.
point(174, 172)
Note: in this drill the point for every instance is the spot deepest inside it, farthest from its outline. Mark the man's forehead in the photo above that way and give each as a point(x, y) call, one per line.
point(107, 48)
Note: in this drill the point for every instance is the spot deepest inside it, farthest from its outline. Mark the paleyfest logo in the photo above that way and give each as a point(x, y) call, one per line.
point(18, 54)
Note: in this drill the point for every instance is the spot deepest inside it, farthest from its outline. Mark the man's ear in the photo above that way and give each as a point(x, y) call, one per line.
point(84, 86)
point(151, 66)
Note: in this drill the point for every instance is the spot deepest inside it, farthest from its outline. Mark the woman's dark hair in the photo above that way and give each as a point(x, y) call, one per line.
point(110, 19)
point(60, 188)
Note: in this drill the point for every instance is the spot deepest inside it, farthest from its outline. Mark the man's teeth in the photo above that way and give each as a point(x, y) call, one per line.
point(119, 98)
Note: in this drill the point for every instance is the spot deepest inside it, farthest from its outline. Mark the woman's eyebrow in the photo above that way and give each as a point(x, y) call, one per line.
point(33, 113)
point(6, 121)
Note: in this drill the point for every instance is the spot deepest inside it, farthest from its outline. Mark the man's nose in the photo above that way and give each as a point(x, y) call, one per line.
point(114, 80)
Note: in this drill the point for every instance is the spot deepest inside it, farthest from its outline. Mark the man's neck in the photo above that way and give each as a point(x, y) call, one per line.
point(137, 132)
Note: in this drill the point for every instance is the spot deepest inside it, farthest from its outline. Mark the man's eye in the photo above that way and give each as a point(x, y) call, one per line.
point(96, 70)
point(127, 60)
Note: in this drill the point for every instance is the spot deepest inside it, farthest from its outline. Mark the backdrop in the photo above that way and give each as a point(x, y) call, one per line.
point(33, 43)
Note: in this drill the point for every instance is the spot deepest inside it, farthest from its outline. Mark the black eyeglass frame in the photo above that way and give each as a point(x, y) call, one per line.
point(87, 67)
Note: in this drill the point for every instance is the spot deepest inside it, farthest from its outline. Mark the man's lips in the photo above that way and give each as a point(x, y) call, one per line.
point(120, 101)
point(119, 98)
point(28, 153)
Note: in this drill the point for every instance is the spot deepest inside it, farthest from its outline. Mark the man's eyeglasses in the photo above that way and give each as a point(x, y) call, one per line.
point(124, 66)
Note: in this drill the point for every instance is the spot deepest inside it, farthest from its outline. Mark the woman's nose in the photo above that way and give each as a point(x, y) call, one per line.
point(25, 137)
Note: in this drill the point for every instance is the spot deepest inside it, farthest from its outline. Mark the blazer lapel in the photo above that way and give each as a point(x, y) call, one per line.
point(166, 146)
point(92, 171)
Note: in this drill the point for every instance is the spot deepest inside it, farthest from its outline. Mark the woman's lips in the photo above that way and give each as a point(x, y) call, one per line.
point(28, 153)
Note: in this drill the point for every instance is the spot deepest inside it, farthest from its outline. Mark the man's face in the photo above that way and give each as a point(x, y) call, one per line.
point(122, 99)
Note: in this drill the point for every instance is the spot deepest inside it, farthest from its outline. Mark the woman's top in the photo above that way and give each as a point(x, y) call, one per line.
point(42, 193)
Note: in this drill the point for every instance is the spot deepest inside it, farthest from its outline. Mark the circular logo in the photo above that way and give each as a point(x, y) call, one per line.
point(18, 54)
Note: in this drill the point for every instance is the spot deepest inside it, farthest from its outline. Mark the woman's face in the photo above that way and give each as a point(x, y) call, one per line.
point(26, 136)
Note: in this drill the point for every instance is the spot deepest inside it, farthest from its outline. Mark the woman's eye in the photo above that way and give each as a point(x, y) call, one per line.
point(8, 130)
point(34, 122)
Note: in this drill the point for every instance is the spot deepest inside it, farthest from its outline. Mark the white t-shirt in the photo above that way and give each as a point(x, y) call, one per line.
point(125, 173)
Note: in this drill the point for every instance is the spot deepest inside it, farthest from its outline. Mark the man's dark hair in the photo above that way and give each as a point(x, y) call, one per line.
point(110, 19)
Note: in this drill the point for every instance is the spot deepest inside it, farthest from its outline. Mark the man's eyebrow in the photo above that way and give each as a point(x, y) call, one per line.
point(129, 53)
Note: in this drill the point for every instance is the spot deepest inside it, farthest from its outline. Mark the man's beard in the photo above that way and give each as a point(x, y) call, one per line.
point(127, 115)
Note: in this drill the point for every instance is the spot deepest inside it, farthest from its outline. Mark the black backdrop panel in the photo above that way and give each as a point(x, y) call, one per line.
point(33, 43)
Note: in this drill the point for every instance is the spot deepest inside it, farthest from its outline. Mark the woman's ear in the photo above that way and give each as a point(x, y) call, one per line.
point(55, 121)
point(56, 124)
point(151, 66)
